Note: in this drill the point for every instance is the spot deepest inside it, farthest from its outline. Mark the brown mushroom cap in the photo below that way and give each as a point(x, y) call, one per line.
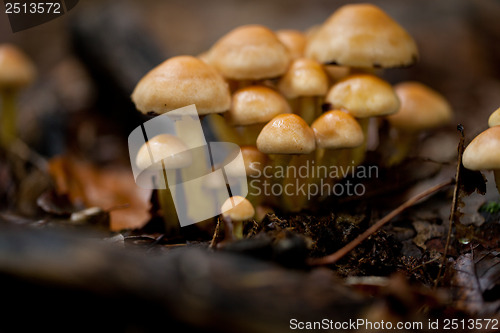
point(237, 209)
point(363, 95)
point(164, 147)
point(256, 104)
point(250, 52)
point(182, 81)
point(494, 118)
point(16, 69)
point(337, 129)
point(305, 77)
point(294, 40)
point(362, 35)
point(483, 152)
point(421, 108)
point(286, 134)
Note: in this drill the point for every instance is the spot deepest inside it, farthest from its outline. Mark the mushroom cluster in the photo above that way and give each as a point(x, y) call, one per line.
point(301, 99)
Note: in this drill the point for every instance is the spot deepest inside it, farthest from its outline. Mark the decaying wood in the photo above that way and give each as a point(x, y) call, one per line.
point(85, 281)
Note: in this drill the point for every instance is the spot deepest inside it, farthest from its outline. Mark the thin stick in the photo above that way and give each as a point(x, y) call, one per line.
point(334, 257)
point(454, 206)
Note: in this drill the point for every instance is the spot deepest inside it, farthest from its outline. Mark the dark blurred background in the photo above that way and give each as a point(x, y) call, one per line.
point(90, 59)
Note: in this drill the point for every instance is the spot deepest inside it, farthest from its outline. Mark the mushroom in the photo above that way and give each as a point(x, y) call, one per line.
point(494, 118)
point(336, 133)
point(16, 72)
point(178, 82)
point(421, 108)
point(285, 138)
point(249, 54)
point(235, 211)
point(363, 96)
point(162, 157)
point(362, 36)
point(294, 40)
point(305, 84)
point(252, 107)
point(286, 135)
point(336, 130)
point(483, 153)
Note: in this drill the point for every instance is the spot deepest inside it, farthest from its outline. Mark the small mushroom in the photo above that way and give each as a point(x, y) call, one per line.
point(305, 84)
point(494, 118)
point(161, 155)
point(362, 36)
point(483, 153)
point(422, 108)
point(249, 54)
point(289, 141)
point(363, 96)
point(252, 107)
point(235, 211)
point(337, 133)
point(336, 130)
point(286, 134)
point(181, 81)
point(16, 72)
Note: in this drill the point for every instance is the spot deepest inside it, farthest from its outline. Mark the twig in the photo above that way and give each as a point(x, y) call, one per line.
point(213, 243)
point(332, 258)
point(454, 205)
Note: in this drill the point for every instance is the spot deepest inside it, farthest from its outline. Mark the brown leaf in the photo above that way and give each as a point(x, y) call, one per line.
point(477, 278)
point(106, 188)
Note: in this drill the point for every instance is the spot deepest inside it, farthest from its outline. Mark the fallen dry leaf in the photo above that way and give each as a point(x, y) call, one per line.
point(108, 188)
point(478, 279)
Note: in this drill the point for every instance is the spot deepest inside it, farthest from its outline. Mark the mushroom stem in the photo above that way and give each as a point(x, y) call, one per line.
point(228, 229)
point(165, 198)
point(357, 155)
point(222, 130)
point(309, 107)
point(296, 199)
point(250, 133)
point(401, 144)
point(8, 131)
point(167, 205)
point(497, 178)
point(238, 229)
point(193, 138)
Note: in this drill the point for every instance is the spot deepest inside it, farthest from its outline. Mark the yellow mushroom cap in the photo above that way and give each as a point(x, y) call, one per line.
point(256, 104)
point(250, 52)
point(286, 134)
point(494, 118)
point(164, 147)
point(16, 69)
point(337, 129)
point(363, 95)
point(294, 40)
point(237, 209)
point(421, 108)
point(182, 81)
point(362, 35)
point(483, 152)
point(305, 77)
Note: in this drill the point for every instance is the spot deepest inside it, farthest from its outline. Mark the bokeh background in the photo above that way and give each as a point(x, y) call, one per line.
point(90, 59)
